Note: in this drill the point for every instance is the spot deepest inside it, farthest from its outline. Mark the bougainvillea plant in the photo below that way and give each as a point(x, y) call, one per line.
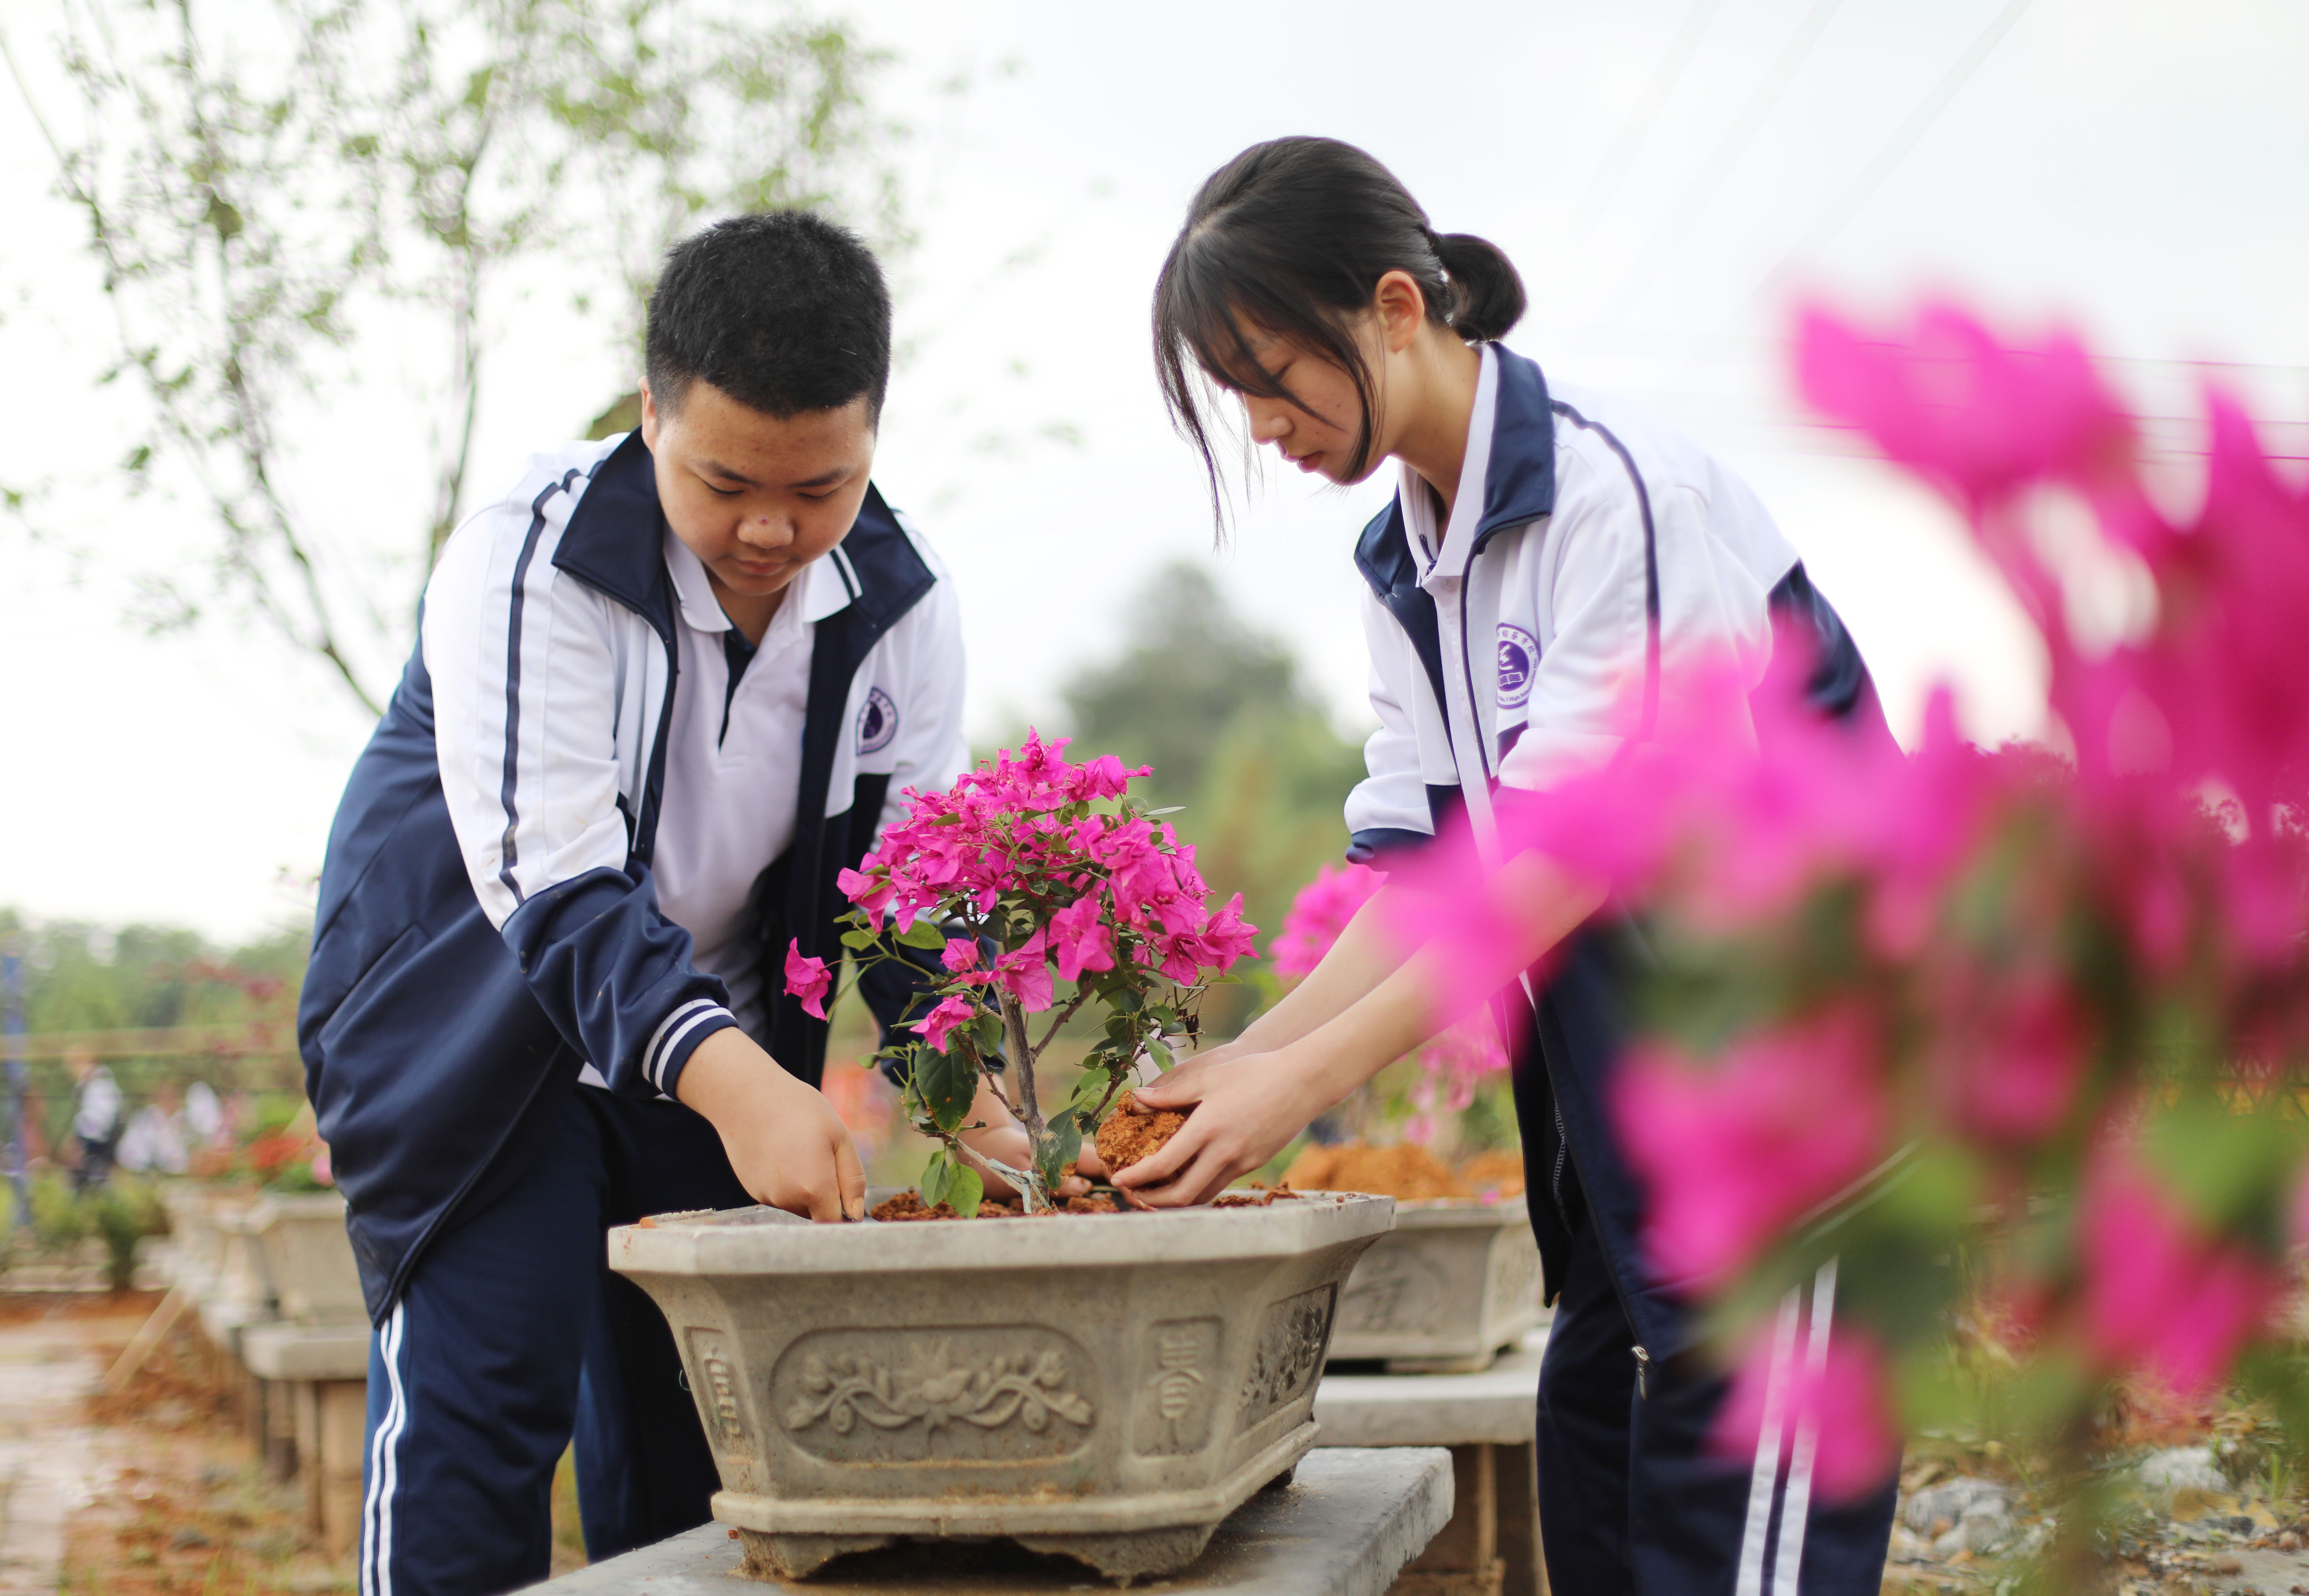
point(1452, 1065)
point(1028, 873)
point(2002, 1053)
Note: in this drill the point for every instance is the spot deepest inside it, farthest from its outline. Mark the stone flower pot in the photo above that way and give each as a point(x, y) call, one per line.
point(309, 1259)
point(243, 1282)
point(1110, 1388)
point(1450, 1285)
point(195, 1252)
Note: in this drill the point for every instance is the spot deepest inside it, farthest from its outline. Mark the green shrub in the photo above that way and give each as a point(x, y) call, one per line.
point(60, 1221)
point(123, 1212)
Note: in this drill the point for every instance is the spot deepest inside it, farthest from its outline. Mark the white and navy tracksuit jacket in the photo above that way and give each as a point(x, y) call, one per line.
point(488, 926)
point(1589, 551)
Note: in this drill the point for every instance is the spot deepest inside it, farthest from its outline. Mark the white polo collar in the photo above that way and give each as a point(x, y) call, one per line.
point(821, 588)
point(1450, 559)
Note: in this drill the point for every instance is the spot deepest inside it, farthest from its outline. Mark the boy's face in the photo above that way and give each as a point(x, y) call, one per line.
point(755, 497)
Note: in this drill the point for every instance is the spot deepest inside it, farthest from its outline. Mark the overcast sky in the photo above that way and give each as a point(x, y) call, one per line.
point(1668, 174)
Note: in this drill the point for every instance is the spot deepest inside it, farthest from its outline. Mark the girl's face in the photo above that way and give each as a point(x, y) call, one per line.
point(1318, 433)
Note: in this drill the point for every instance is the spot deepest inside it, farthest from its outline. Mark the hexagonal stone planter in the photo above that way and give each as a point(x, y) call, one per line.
point(1453, 1283)
point(309, 1259)
point(1106, 1387)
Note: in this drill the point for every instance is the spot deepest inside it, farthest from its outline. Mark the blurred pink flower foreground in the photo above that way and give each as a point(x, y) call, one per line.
point(1996, 967)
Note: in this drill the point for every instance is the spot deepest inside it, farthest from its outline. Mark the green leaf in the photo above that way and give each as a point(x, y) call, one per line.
point(858, 939)
point(1166, 809)
point(986, 1031)
point(1059, 1149)
point(938, 1179)
point(1161, 1053)
point(923, 934)
point(947, 1082)
point(965, 1192)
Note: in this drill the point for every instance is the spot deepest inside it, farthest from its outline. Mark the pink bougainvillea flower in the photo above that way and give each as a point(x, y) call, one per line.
point(1841, 1398)
point(1081, 938)
point(809, 979)
point(1950, 401)
point(961, 954)
point(870, 892)
point(1025, 972)
point(2010, 1057)
point(1735, 1152)
point(952, 1010)
point(2162, 1297)
point(1319, 914)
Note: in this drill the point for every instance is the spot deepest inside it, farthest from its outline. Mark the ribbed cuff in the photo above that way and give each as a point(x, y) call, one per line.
point(676, 1038)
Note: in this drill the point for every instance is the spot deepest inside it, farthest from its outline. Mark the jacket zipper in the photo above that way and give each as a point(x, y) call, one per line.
point(1643, 1374)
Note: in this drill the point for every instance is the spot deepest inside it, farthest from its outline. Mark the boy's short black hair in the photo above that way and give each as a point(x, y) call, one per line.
point(784, 311)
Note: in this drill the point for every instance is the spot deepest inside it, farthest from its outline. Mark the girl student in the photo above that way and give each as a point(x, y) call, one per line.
point(1544, 545)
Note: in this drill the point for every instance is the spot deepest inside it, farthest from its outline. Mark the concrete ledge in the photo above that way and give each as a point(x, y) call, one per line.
point(224, 1322)
point(1499, 1405)
point(1346, 1526)
point(306, 1351)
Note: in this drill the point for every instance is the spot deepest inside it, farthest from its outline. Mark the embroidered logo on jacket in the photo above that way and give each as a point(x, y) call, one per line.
point(877, 723)
point(1518, 663)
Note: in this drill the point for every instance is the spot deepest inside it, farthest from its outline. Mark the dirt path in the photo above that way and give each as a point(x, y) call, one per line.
point(52, 1461)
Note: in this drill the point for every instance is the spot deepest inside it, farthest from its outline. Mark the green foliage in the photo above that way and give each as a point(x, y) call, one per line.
point(61, 1222)
point(124, 1211)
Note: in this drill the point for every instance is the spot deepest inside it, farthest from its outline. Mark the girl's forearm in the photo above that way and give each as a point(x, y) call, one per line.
point(1403, 1009)
point(1364, 957)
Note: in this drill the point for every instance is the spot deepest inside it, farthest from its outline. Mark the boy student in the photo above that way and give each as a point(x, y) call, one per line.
point(1544, 544)
point(665, 689)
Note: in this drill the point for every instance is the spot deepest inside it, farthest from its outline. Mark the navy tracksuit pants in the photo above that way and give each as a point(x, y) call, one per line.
point(512, 1336)
point(1633, 1501)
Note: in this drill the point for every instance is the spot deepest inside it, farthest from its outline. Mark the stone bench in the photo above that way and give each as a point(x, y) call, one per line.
point(1489, 1421)
point(1345, 1526)
point(315, 1385)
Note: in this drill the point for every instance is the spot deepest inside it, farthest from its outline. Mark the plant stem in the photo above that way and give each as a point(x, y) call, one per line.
point(1030, 1110)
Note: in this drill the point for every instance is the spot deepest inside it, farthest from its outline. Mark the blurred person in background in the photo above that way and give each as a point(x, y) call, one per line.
point(155, 1140)
point(96, 1122)
point(1547, 548)
point(205, 1120)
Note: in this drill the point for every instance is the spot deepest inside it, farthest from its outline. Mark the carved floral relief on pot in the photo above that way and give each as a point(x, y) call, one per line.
point(1288, 1354)
point(1171, 1415)
point(962, 1394)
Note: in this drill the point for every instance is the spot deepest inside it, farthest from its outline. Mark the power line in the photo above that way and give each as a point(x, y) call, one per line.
point(1604, 187)
point(1857, 192)
point(1703, 187)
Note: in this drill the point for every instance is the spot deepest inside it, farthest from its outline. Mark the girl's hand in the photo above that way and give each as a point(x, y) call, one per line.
point(1004, 1140)
point(1247, 1110)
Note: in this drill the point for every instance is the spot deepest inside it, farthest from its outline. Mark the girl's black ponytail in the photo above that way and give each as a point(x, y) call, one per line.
point(1487, 296)
point(1290, 238)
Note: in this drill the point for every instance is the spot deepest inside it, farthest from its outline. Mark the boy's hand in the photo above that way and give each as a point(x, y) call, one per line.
point(788, 1147)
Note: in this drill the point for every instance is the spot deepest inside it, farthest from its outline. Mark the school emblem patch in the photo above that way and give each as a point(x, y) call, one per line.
point(877, 723)
point(1518, 663)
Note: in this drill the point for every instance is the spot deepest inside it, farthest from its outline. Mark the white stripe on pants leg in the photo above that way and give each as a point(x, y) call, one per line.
point(1788, 1562)
point(384, 1466)
point(1763, 1481)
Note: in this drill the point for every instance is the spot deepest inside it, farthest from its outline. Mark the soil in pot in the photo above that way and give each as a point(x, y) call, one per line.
point(1405, 1171)
point(908, 1208)
point(1494, 1174)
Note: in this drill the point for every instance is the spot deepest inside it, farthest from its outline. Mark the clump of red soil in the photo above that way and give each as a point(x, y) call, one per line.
point(1127, 1137)
point(1494, 1174)
point(1407, 1172)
